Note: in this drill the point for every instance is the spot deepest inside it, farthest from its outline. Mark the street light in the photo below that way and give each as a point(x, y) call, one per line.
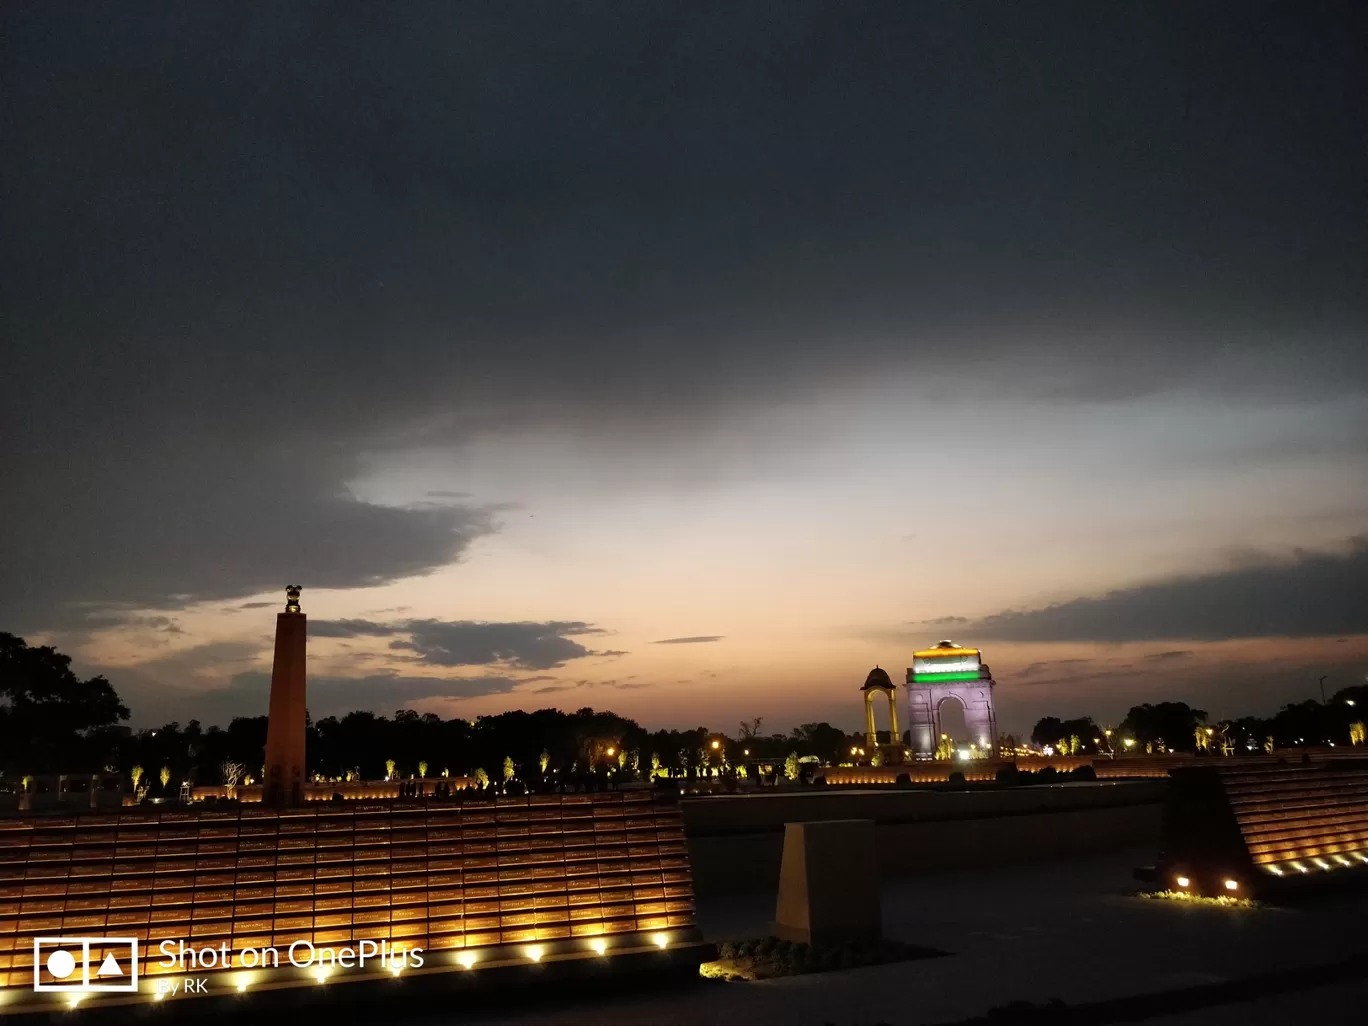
point(717, 745)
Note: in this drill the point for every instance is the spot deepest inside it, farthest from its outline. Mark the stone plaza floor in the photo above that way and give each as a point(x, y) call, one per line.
point(1068, 930)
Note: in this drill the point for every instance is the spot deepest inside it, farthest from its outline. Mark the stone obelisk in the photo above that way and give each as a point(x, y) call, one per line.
point(285, 771)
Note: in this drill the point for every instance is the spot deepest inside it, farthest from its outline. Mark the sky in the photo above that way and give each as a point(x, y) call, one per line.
point(687, 360)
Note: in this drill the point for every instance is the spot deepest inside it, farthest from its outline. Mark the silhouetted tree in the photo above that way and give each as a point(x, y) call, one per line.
point(1048, 730)
point(1174, 723)
point(50, 719)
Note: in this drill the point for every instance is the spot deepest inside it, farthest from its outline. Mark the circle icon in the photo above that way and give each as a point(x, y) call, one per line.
point(61, 964)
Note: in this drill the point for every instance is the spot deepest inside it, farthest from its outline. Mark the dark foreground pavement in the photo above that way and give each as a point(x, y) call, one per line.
point(1065, 930)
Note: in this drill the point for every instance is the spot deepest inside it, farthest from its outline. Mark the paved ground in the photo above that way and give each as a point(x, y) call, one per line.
point(1065, 930)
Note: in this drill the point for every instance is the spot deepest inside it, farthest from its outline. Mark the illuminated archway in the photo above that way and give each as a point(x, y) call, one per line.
point(948, 671)
point(880, 683)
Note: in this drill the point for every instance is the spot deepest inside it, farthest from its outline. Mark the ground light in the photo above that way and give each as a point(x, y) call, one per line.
point(466, 959)
point(661, 940)
point(1182, 881)
point(534, 952)
point(1232, 885)
point(599, 945)
point(242, 982)
point(320, 974)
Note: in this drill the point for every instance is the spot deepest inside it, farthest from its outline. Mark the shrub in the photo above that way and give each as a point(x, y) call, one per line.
point(1085, 773)
point(957, 777)
point(1007, 775)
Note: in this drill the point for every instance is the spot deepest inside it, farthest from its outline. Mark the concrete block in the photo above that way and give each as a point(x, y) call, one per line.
point(829, 883)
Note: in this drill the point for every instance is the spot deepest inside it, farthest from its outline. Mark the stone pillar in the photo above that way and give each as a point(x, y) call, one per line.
point(285, 766)
point(871, 728)
point(829, 883)
point(894, 735)
point(979, 715)
point(922, 720)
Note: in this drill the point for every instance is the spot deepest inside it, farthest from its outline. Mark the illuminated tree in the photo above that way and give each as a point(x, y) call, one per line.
point(232, 773)
point(1356, 732)
point(481, 777)
point(791, 766)
point(945, 748)
point(544, 760)
point(655, 764)
point(389, 769)
point(165, 775)
point(877, 759)
point(508, 767)
point(422, 769)
point(137, 774)
point(1268, 744)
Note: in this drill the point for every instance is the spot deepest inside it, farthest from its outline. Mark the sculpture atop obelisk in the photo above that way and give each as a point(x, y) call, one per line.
point(285, 768)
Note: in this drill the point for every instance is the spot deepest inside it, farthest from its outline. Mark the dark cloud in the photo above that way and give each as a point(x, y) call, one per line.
point(628, 684)
point(1165, 657)
point(945, 621)
point(531, 646)
point(1039, 668)
point(244, 251)
point(352, 629)
point(255, 605)
point(1313, 594)
point(697, 640)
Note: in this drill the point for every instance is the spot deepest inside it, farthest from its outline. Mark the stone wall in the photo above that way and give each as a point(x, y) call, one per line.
point(735, 843)
point(576, 871)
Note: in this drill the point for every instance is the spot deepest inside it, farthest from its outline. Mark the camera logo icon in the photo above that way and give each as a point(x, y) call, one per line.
point(85, 964)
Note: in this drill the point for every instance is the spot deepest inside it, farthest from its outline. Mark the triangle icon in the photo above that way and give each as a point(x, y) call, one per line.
point(109, 967)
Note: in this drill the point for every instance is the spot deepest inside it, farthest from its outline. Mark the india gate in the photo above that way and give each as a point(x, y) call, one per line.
point(945, 673)
point(949, 673)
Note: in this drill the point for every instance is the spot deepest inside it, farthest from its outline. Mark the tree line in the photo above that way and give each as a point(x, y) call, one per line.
point(1178, 727)
point(53, 721)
